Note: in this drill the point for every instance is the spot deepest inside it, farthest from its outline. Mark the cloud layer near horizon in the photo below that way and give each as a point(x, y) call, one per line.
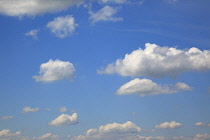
point(156, 61)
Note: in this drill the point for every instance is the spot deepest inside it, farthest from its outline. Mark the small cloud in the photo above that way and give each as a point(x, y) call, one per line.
point(62, 109)
point(55, 70)
point(6, 117)
point(47, 109)
point(8, 133)
point(105, 14)
point(47, 136)
point(63, 26)
point(65, 119)
point(169, 125)
point(29, 109)
point(133, 114)
point(145, 87)
point(33, 33)
point(201, 124)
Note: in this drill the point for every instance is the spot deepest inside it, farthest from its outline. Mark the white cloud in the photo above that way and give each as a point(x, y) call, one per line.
point(6, 117)
point(112, 1)
point(63, 26)
point(145, 87)
point(34, 7)
point(201, 124)
point(65, 119)
point(105, 14)
point(29, 109)
point(62, 109)
point(183, 86)
point(47, 136)
point(111, 131)
point(8, 133)
point(156, 61)
point(202, 136)
point(32, 33)
point(168, 125)
point(55, 70)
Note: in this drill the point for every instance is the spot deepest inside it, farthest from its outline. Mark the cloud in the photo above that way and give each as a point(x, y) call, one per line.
point(55, 70)
point(47, 136)
point(112, 1)
point(8, 133)
point(34, 7)
point(156, 61)
point(202, 136)
point(63, 26)
point(32, 33)
point(65, 119)
point(145, 87)
point(111, 131)
point(29, 109)
point(62, 109)
point(6, 117)
point(201, 124)
point(168, 125)
point(105, 14)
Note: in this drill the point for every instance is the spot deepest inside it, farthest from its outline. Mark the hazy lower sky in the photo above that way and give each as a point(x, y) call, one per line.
point(105, 70)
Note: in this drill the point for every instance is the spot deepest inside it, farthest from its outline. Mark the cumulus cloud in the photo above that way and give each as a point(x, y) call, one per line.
point(156, 61)
point(202, 136)
point(145, 87)
point(32, 33)
point(168, 125)
point(65, 119)
point(201, 124)
point(55, 70)
point(6, 117)
point(62, 109)
point(47, 136)
point(105, 14)
point(111, 131)
point(8, 133)
point(34, 7)
point(63, 26)
point(29, 109)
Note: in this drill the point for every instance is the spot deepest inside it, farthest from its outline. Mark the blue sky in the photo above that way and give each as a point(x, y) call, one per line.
point(104, 70)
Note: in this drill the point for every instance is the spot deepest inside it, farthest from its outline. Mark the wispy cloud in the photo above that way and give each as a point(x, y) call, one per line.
point(29, 109)
point(63, 26)
point(33, 33)
point(105, 14)
point(6, 117)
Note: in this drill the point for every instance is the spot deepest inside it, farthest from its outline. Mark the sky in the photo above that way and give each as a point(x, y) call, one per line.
point(104, 70)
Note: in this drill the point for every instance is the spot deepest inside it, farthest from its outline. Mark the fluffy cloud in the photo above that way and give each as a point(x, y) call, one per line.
point(145, 87)
point(105, 14)
point(156, 61)
point(202, 136)
point(47, 136)
point(63, 26)
point(34, 7)
point(8, 133)
point(169, 125)
point(32, 33)
point(29, 109)
point(55, 70)
point(65, 119)
point(201, 124)
point(111, 131)
point(62, 109)
point(6, 117)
